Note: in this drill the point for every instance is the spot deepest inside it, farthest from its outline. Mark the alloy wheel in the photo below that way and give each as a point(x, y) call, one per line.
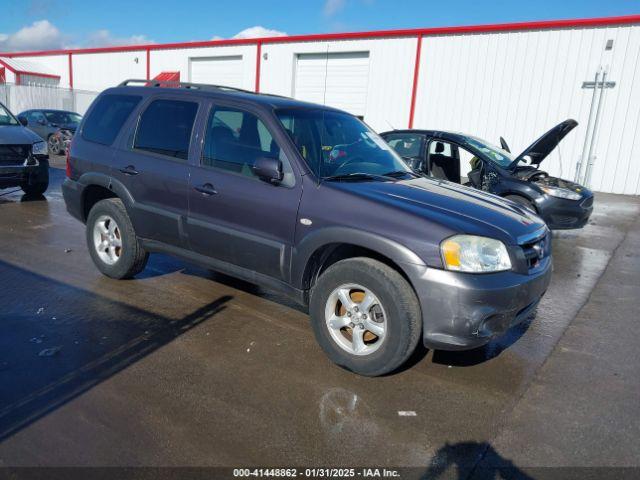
point(356, 319)
point(107, 239)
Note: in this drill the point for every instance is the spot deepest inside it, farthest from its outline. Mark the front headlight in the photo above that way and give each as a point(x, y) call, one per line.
point(469, 253)
point(39, 148)
point(561, 193)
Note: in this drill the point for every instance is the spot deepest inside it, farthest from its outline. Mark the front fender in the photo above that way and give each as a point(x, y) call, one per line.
point(311, 243)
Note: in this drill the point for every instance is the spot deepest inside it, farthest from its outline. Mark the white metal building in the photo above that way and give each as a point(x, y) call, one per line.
point(510, 80)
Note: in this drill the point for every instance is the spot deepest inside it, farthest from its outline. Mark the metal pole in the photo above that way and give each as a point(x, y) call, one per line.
point(594, 135)
point(583, 160)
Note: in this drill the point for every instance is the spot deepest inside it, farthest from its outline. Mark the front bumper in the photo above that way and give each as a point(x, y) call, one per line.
point(462, 311)
point(562, 214)
point(17, 175)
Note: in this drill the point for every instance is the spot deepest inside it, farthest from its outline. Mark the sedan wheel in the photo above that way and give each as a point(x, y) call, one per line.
point(54, 145)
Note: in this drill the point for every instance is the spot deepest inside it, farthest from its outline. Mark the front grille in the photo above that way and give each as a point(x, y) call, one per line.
point(13, 154)
point(536, 251)
point(587, 202)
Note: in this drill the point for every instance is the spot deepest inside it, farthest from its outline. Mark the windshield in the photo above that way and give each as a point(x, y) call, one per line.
point(62, 118)
point(495, 154)
point(336, 144)
point(6, 118)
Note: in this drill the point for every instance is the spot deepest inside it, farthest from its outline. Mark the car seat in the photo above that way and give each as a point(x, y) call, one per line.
point(444, 166)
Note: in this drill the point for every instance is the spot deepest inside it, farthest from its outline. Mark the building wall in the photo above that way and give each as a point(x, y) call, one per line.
point(511, 83)
point(179, 60)
point(520, 84)
point(98, 71)
point(55, 63)
point(391, 64)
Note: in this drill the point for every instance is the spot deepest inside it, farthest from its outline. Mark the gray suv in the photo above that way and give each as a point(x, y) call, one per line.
point(306, 200)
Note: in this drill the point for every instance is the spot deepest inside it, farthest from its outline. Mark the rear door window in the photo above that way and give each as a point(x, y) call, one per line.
point(107, 117)
point(406, 145)
point(165, 128)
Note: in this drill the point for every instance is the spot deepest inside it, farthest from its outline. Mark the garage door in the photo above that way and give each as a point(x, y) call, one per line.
point(225, 71)
point(336, 79)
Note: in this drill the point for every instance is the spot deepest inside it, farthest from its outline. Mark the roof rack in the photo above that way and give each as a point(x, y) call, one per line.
point(186, 85)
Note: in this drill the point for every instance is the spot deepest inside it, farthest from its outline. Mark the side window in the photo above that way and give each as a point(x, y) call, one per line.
point(235, 139)
point(444, 162)
point(406, 145)
point(165, 128)
point(107, 117)
point(35, 118)
point(468, 163)
point(452, 162)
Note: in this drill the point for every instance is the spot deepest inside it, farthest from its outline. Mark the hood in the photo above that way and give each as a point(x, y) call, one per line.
point(458, 208)
point(543, 146)
point(68, 126)
point(17, 135)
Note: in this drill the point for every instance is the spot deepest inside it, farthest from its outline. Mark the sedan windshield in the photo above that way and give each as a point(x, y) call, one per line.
point(6, 118)
point(495, 154)
point(338, 145)
point(62, 118)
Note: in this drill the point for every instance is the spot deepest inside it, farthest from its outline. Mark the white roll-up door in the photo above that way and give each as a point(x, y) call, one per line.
point(339, 80)
point(226, 71)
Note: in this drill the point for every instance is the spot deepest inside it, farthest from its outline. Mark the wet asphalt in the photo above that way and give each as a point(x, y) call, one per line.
point(184, 367)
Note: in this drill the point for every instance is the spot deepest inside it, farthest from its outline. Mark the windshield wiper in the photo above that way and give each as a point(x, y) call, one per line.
point(357, 176)
point(401, 173)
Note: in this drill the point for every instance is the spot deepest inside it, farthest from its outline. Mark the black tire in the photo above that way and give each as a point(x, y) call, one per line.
point(522, 201)
point(133, 258)
point(404, 320)
point(38, 181)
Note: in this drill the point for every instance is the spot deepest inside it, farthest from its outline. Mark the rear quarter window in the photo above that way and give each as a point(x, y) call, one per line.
point(107, 117)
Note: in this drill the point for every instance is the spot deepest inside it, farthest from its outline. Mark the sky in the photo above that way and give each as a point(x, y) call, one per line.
point(52, 24)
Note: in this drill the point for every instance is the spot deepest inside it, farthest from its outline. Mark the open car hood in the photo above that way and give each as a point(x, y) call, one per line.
point(543, 146)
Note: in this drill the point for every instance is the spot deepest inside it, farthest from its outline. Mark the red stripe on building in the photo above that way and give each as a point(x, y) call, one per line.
point(258, 59)
point(416, 77)
point(499, 27)
point(71, 71)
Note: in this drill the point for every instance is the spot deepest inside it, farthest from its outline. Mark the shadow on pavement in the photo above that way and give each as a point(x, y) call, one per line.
point(58, 341)
point(452, 461)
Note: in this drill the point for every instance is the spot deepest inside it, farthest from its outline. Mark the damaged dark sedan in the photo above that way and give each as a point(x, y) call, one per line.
point(474, 162)
point(24, 161)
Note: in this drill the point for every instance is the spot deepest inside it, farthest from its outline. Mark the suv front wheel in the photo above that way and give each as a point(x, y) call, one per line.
point(112, 241)
point(365, 316)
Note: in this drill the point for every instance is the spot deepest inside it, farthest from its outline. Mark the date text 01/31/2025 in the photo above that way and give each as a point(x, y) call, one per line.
point(316, 472)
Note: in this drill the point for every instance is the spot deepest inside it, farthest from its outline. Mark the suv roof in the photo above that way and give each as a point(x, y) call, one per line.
point(215, 91)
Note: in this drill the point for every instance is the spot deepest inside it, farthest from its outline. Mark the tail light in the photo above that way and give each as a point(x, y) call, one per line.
point(68, 167)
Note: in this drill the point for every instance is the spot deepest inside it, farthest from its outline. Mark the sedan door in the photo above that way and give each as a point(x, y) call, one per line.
point(234, 216)
point(154, 167)
point(37, 122)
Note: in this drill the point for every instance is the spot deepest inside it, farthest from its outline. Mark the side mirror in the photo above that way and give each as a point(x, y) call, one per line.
point(23, 121)
point(42, 121)
point(268, 169)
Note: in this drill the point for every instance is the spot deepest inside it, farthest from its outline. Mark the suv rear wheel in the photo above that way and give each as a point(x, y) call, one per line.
point(365, 316)
point(112, 241)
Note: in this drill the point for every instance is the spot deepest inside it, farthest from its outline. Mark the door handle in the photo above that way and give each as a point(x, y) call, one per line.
point(206, 189)
point(129, 170)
